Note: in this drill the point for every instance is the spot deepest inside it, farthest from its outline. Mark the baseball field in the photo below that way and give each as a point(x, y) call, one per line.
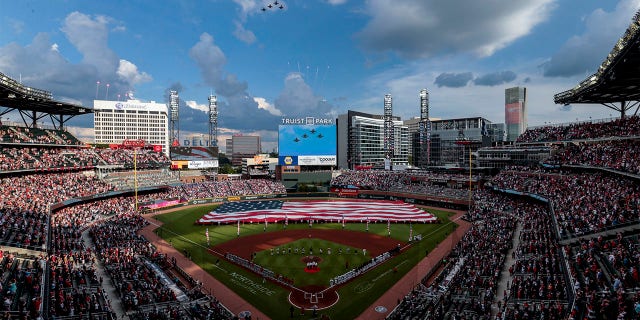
point(305, 260)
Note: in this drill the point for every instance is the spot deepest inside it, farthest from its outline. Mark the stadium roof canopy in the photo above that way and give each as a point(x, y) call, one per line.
point(618, 78)
point(35, 104)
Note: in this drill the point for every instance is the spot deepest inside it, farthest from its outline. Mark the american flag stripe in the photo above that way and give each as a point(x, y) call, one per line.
point(350, 211)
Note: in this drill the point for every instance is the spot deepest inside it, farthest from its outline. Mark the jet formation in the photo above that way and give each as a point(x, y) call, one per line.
point(273, 5)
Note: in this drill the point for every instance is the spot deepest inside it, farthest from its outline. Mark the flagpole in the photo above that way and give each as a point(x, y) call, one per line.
point(469, 204)
point(410, 231)
point(389, 227)
point(135, 178)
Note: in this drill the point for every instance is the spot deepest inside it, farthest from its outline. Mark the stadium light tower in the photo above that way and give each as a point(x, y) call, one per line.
point(174, 103)
point(389, 137)
point(213, 121)
point(424, 129)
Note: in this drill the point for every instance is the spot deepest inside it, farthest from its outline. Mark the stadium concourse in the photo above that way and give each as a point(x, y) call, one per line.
point(552, 241)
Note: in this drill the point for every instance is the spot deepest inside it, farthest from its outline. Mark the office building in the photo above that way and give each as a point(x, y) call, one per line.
point(450, 136)
point(241, 146)
point(116, 121)
point(361, 141)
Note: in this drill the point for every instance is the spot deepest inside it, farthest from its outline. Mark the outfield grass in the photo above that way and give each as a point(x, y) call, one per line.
point(286, 260)
point(179, 230)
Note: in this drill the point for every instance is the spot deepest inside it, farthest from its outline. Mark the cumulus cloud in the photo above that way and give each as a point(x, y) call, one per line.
point(244, 35)
point(130, 74)
point(248, 7)
point(423, 28)
point(494, 79)
point(265, 105)
point(16, 25)
point(194, 105)
point(237, 108)
point(453, 80)
point(209, 58)
point(298, 99)
point(583, 54)
point(68, 81)
point(89, 35)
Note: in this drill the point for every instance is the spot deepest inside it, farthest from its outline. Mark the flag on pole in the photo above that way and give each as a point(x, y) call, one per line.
point(389, 227)
point(410, 232)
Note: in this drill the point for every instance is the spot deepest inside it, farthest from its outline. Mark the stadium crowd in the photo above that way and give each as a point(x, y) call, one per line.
point(418, 182)
point(602, 272)
point(466, 286)
point(224, 188)
point(46, 158)
point(23, 135)
point(620, 155)
point(583, 202)
point(75, 291)
point(621, 127)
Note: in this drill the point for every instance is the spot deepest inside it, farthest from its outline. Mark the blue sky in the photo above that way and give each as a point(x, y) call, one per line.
point(312, 58)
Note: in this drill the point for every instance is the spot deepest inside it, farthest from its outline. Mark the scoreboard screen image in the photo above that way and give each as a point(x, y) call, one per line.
point(307, 144)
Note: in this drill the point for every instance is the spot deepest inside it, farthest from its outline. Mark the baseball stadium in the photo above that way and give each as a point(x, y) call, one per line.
point(128, 231)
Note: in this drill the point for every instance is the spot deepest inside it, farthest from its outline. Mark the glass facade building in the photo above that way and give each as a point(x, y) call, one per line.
point(515, 111)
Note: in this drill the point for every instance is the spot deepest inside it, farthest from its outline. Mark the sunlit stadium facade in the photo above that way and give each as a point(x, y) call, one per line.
point(116, 121)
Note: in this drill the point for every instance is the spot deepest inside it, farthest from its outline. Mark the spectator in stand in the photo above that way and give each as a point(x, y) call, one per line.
point(622, 127)
point(583, 203)
point(620, 155)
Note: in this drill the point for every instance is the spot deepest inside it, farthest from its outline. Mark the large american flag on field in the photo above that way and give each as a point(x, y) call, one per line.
point(337, 211)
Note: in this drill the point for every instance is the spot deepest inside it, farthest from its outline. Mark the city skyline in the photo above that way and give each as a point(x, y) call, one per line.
point(312, 58)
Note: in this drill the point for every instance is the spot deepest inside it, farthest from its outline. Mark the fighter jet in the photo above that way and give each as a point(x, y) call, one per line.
point(313, 131)
point(296, 140)
point(320, 136)
point(305, 136)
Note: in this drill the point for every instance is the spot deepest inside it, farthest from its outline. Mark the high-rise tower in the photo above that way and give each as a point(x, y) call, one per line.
point(424, 130)
point(174, 119)
point(515, 111)
point(389, 138)
point(213, 121)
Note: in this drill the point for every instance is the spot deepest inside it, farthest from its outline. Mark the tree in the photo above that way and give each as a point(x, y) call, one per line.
point(226, 169)
point(223, 159)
